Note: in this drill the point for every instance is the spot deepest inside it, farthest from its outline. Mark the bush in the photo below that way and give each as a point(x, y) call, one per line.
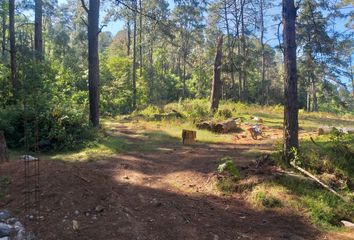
point(228, 166)
point(150, 111)
point(223, 113)
point(61, 128)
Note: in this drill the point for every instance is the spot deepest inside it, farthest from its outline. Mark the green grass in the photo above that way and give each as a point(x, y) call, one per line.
point(302, 196)
point(323, 208)
point(195, 110)
point(4, 185)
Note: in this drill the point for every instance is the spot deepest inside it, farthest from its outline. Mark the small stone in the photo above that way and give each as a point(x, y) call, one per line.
point(87, 214)
point(216, 237)
point(347, 224)
point(99, 208)
point(4, 215)
point(4, 230)
point(75, 225)
point(77, 212)
point(11, 221)
point(94, 217)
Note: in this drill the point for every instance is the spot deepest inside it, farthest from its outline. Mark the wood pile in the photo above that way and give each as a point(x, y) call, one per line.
point(230, 125)
point(327, 129)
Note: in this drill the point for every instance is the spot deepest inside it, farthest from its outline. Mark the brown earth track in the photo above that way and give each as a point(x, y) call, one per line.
point(158, 195)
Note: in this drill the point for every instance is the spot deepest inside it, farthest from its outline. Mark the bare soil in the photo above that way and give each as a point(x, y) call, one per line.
point(163, 194)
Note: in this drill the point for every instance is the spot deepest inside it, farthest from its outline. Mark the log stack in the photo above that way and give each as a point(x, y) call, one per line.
point(327, 129)
point(230, 125)
point(4, 156)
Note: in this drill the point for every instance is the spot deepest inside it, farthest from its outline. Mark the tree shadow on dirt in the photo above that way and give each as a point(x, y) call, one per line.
point(73, 191)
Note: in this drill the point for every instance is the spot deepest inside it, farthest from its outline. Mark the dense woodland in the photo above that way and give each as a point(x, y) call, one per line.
point(60, 70)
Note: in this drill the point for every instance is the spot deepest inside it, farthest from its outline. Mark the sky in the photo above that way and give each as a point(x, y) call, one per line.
point(271, 35)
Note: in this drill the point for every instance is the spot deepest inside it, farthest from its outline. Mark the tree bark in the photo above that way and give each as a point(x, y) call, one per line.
point(38, 36)
point(134, 55)
point(128, 38)
point(290, 81)
point(216, 86)
point(13, 63)
point(314, 96)
point(93, 60)
point(263, 86)
point(3, 23)
point(4, 156)
point(140, 38)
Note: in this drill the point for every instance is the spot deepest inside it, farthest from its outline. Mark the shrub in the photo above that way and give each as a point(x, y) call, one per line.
point(60, 128)
point(228, 166)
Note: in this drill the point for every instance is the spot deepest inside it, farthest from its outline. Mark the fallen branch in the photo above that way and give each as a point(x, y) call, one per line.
point(319, 182)
point(82, 178)
point(313, 141)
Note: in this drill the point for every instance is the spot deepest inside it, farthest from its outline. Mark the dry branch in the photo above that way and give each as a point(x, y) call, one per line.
point(319, 182)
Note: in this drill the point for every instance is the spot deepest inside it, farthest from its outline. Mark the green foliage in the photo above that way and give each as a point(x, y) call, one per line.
point(323, 208)
point(150, 111)
point(5, 181)
point(267, 201)
point(223, 113)
point(228, 166)
point(229, 175)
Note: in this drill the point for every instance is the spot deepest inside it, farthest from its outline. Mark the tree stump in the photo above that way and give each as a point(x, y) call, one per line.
point(188, 136)
point(4, 156)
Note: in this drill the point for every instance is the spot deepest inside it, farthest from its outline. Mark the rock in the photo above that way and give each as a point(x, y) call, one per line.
point(99, 208)
point(4, 215)
point(347, 224)
point(216, 237)
point(77, 212)
point(75, 225)
point(5, 230)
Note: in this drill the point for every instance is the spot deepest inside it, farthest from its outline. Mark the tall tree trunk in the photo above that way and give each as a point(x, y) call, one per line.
point(93, 60)
point(243, 46)
point(128, 38)
point(229, 48)
point(3, 24)
point(216, 86)
point(314, 96)
point(13, 63)
point(134, 54)
point(263, 83)
point(38, 37)
point(184, 77)
point(4, 155)
point(308, 100)
point(140, 38)
point(290, 84)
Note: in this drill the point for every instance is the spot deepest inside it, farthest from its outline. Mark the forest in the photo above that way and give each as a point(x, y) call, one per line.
point(101, 90)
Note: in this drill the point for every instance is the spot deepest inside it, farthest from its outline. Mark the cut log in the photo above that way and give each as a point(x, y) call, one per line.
point(4, 156)
point(188, 136)
point(204, 125)
point(229, 125)
point(327, 129)
point(324, 130)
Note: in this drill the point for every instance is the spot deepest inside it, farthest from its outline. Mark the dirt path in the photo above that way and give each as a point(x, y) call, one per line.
point(163, 194)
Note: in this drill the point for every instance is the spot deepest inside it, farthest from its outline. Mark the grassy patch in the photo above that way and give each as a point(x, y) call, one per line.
point(4, 185)
point(228, 175)
point(323, 208)
point(267, 195)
